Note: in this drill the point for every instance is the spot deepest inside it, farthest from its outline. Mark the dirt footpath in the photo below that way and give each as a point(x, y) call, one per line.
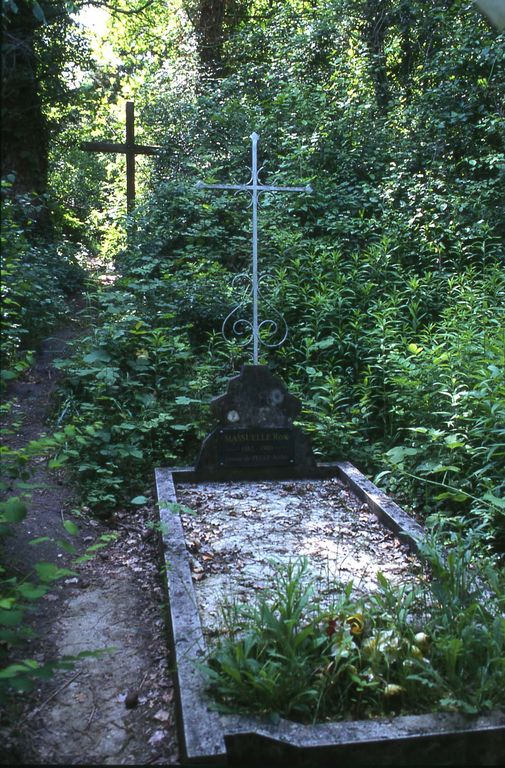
point(116, 707)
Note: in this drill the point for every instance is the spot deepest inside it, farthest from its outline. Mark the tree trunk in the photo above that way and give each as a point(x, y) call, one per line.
point(376, 26)
point(24, 129)
point(210, 36)
point(214, 21)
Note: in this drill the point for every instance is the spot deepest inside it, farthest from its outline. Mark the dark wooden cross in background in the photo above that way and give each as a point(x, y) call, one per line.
point(129, 148)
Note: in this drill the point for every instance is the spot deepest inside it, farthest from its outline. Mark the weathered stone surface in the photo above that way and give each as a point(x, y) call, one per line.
point(238, 530)
point(255, 435)
point(438, 739)
point(202, 735)
point(238, 740)
point(256, 398)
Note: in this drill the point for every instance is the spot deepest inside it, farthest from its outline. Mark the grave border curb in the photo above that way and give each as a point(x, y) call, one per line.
point(208, 738)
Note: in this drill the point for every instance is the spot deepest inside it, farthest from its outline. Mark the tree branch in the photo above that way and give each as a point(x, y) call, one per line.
point(111, 7)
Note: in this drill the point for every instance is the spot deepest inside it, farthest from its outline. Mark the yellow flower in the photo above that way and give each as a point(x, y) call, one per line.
point(393, 690)
point(416, 652)
point(369, 646)
point(356, 624)
point(422, 641)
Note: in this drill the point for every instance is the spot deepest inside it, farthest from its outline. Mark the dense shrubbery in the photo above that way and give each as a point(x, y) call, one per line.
point(19, 594)
point(418, 367)
point(390, 274)
point(37, 278)
point(20, 591)
point(408, 380)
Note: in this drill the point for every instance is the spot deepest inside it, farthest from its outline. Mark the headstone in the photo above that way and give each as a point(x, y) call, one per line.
point(255, 436)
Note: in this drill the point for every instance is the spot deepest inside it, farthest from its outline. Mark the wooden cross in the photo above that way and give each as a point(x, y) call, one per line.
point(129, 148)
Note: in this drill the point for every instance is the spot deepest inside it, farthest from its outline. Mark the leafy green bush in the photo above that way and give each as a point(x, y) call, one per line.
point(132, 395)
point(37, 277)
point(390, 274)
point(407, 649)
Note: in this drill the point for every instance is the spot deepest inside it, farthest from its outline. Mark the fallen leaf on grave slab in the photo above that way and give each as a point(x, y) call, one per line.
point(131, 699)
point(198, 576)
point(157, 738)
point(163, 715)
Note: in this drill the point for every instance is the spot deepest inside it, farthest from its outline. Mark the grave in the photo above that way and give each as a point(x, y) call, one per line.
point(258, 490)
point(209, 737)
point(130, 148)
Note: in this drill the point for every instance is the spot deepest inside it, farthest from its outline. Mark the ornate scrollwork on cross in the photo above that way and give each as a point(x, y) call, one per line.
point(272, 332)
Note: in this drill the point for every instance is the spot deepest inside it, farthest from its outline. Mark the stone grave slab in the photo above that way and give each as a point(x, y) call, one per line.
point(194, 583)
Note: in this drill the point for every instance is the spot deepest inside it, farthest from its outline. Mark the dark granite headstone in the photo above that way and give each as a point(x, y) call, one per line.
point(255, 435)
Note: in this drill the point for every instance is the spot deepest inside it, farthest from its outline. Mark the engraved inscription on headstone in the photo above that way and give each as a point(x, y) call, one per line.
point(256, 447)
point(255, 434)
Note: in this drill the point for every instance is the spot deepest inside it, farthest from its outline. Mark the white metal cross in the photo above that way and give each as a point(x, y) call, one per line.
point(254, 187)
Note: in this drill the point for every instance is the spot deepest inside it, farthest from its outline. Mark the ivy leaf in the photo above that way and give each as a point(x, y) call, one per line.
point(494, 500)
point(97, 356)
point(139, 500)
point(13, 511)
point(9, 618)
point(13, 670)
point(323, 344)
point(66, 546)
point(51, 572)
point(398, 453)
point(70, 527)
point(32, 591)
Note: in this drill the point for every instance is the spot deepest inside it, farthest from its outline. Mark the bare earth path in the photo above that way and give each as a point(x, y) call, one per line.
point(116, 708)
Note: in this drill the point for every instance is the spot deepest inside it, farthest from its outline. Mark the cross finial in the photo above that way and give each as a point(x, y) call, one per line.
point(254, 188)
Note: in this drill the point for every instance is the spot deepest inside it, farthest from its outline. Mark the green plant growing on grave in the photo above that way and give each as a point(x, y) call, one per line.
point(465, 601)
point(278, 657)
point(402, 649)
